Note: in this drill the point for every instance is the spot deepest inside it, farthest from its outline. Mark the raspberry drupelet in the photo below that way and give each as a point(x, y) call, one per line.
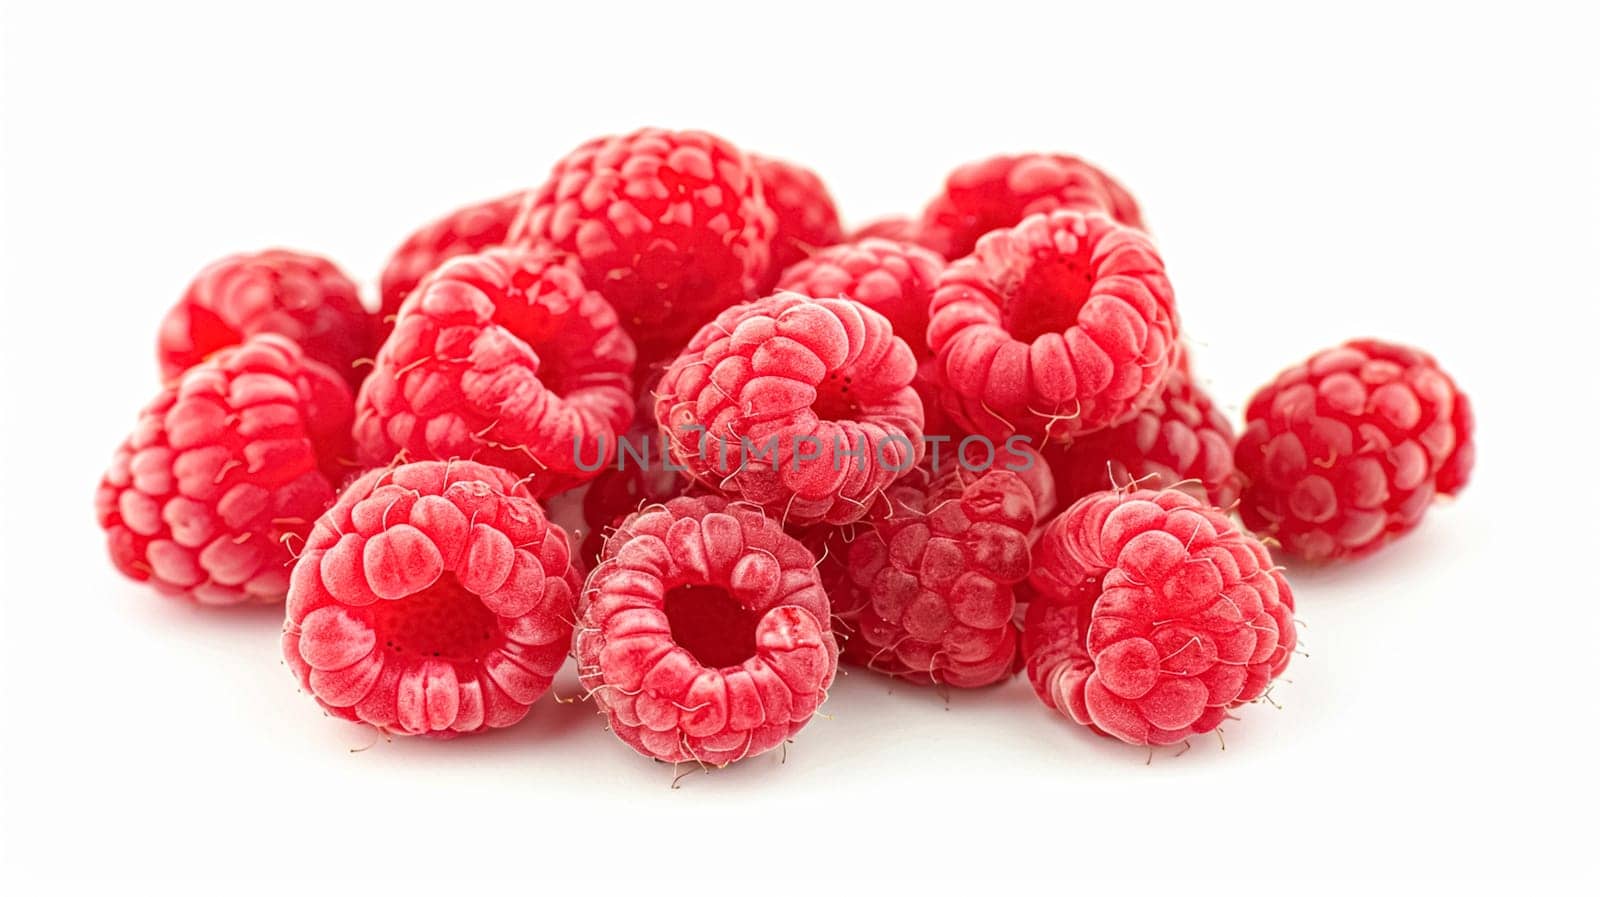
point(802, 406)
point(670, 226)
point(303, 297)
point(893, 279)
point(1153, 616)
point(503, 357)
point(433, 599)
point(464, 231)
point(807, 219)
point(1060, 326)
point(704, 633)
point(1345, 452)
point(225, 472)
point(1000, 191)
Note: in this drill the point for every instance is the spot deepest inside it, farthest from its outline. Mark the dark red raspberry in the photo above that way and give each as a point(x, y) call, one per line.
point(432, 599)
point(803, 406)
point(704, 633)
point(1180, 440)
point(999, 192)
point(1055, 328)
point(1153, 616)
point(1344, 453)
point(670, 226)
point(303, 297)
point(893, 279)
point(806, 216)
point(225, 472)
point(467, 230)
point(923, 590)
point(504, 357)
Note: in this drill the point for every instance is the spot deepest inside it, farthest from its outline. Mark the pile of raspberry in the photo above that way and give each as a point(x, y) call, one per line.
point(947, 448)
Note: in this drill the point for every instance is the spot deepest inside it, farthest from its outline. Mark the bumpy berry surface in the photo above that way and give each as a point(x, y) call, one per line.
point(924, 591)
point(225, 472)
point(1180, 440)
point(303, 297)
point(1055, 328)
point(704, 633)
point(670, 226)
point(504, 357)
point(464, 231)
point(1153, 616)
point(893, 279)
point(1345, 452)
point(816, 392)
point(999, 192)
point(433, 598)
point(807, 219)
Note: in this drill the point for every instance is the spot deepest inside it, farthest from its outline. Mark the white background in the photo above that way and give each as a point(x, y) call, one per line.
point(1426, 175)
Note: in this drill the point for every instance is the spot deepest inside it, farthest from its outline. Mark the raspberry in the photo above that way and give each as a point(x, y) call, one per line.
point(229, 463)
point(1344, 453)
point(925, 592)
point(507, 358)
point(898, 228)
point(704, 632)
point(303, 297)
point(1058, 327)
point(1001, 191)
point(893, 279)
point(1179, 440)
point(467, 230)
point(432, 599)
point(670, 226)
point(806, 217)
point(803, 406)
point(1153, 616)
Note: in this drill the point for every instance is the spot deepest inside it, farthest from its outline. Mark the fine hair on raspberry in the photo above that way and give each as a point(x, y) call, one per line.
point(1060, 326)
point(225, 472)
point(802, 406)
point(433, 598)
point(469, 229)
point(1153, 615)
point(504, 357)
point(704, 633)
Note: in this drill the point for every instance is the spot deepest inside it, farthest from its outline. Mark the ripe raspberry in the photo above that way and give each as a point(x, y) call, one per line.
point(303, 297)
point(225, 472)
point(669, 226)
point(1058, 327)
point(807, 219)
point(1001, 191)
point(1153, 616)
point(704, 633)
point(803, 406)
point(467, 230)
point(1343, 453)
point(899, 228)
point(893, 279)
point(924, 592)
point(1180, 440)
point(432, 599)
point(506, 358)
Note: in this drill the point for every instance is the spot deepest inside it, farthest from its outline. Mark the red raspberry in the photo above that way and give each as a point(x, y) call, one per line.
point(1001, 191)
point(1058, 327)
point(1153, 616)
point(304, 297)
point(228, 465)
point(507, 358)
point(803, 406)
point(1180, 440)
point(924, 592)
point(432, 599)
point(806, 216)
point(893, 279)
point(898, 228)
point(670, 226)
point(465, 231)
point(704, 633)
point(1343, 453)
